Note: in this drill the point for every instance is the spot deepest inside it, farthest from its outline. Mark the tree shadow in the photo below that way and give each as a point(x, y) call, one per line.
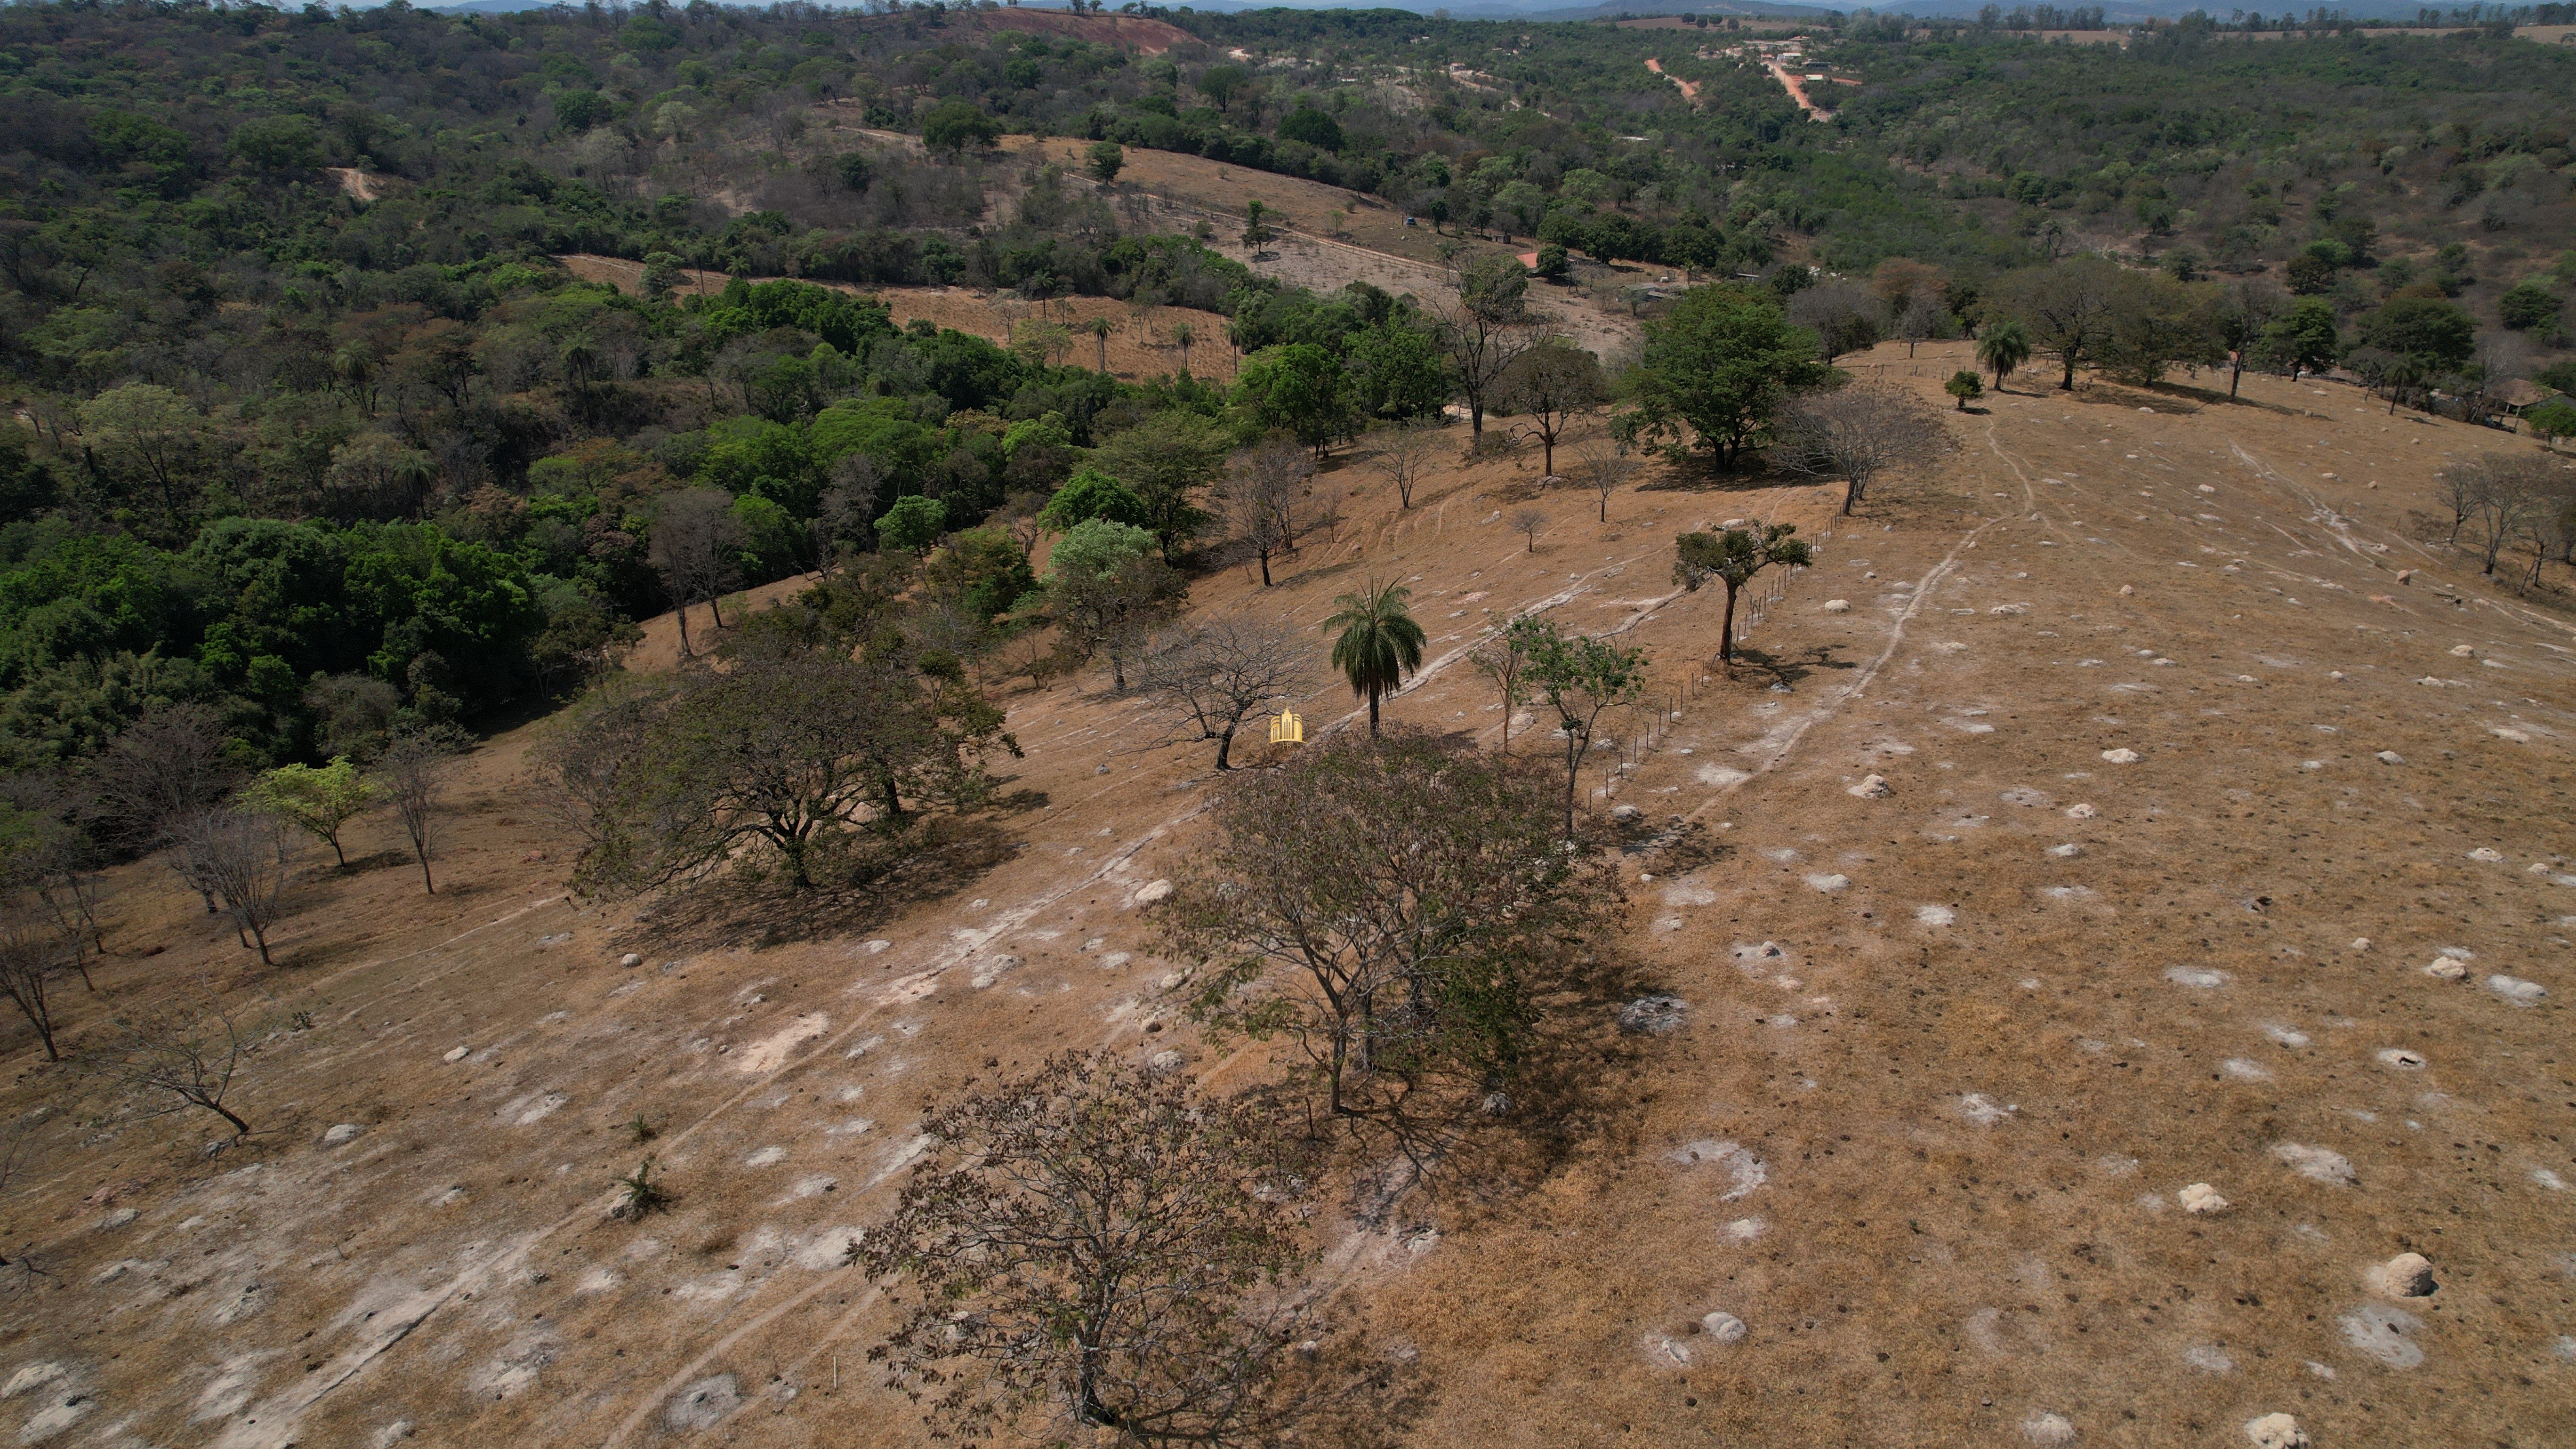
point(1699, 473)
point(1786, 670)
point(939, 856)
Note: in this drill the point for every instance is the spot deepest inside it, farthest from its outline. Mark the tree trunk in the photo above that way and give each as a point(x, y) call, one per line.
point(685, 651)
point(241, 1128)
point(425, 880)
point(260, 933)
point(1851, 487)
point(2235, 374)
point(715, 610)
point(2067, 383)
point(1265, 568)
point(1225, 747)
point(1547, 444)
point(1573, 771)
point(1726, 631)
point(1372, 699)
point(336, 850)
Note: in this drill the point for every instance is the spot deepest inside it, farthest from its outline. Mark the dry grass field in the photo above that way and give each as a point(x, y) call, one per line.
point(2187, 787)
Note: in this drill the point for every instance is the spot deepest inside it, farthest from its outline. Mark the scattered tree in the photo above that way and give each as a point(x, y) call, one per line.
point(1503, 657)
point(1379, 643)
point(1552, 384)
point(1091, 1248)
point(1405, 453)
point(179, 1058)
point(695, 541)
point(2004, 348)
point(412, 772)
point(240, 857)
point(1217, 675)
point(1603, 464)
point(1165, 460)
point(1581, 679)
point(641, 1193)
point(1100, 327)
point(1262, 494)
point(1733, 558)
point(1105, 159)
point(2065, 307)
point(1857, 433)
point(1529, 523)
point(1107, 589)
point(1393, 907)
point(316, 801)
point(31, 961)
point(1965, 386)
point(2239, 318)
point(1483, 328)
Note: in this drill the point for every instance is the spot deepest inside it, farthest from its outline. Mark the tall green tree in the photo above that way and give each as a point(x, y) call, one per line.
point(1721, 363)
point(316, 801)
point(1379, 642)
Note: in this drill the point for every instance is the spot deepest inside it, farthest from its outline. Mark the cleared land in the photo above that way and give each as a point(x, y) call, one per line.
point(1948, 1059)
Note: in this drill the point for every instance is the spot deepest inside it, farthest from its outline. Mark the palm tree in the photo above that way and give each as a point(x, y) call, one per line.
point(1182, 336)
point(1100, 327)
point(2004, 347)
point(1379, 643)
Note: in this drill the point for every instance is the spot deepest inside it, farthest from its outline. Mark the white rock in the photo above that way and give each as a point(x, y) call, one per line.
point(458, 1055)
point(876, 948)
point(1625, 812)
point(2402, 1059)
point(2447, 969)
point(2316, 1164)
point(1830, 883)
point(1724, 1327)
point(2487, 854)
point(2408, 1275)
point(2048, 1430)
point(2360, 943)
point(1654, 1015)
point(2380, 1334)
point(2516, 990)
point(2127, 589)
point(341, 1133)
point(2121, 756)
point(1872, 787)
point(2464, 651)
point(1837, 606)
point(2201, 1198)
point(1152, 892)
point(2201, 977)
point(2081, 812)
point(2276, 1431)
point(2391, 757)
point(630, 959)
point(2068, 851)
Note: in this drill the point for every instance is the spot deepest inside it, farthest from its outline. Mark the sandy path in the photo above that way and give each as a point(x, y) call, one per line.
point(1690, 90)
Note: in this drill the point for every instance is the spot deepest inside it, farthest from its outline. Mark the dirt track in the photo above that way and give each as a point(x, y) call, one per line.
point(1928, 1152)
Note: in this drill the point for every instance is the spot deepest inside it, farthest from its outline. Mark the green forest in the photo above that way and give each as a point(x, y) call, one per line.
point(317, 434)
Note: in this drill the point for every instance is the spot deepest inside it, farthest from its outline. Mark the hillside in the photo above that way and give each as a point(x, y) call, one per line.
point(1947, 1059)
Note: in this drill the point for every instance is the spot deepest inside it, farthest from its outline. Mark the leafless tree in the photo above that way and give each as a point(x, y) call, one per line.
point(49, 867)
point(1920, 319)
point(2507, 497)
point(31, 961)
point(412, 772)
point(1529, 523)
point(1605, 467)
point(1552, 384)
point(1857, 433)
point(182, 1057)
point(1845, 316)
point(165, 768)
point(692, 548)
point(1483, 327)
point(1404, 454)
point(1216, 676)
point(239, 857)
point(1503, 657)
point(1092, 1247)
point(1392, 906)
point(1264, 488)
